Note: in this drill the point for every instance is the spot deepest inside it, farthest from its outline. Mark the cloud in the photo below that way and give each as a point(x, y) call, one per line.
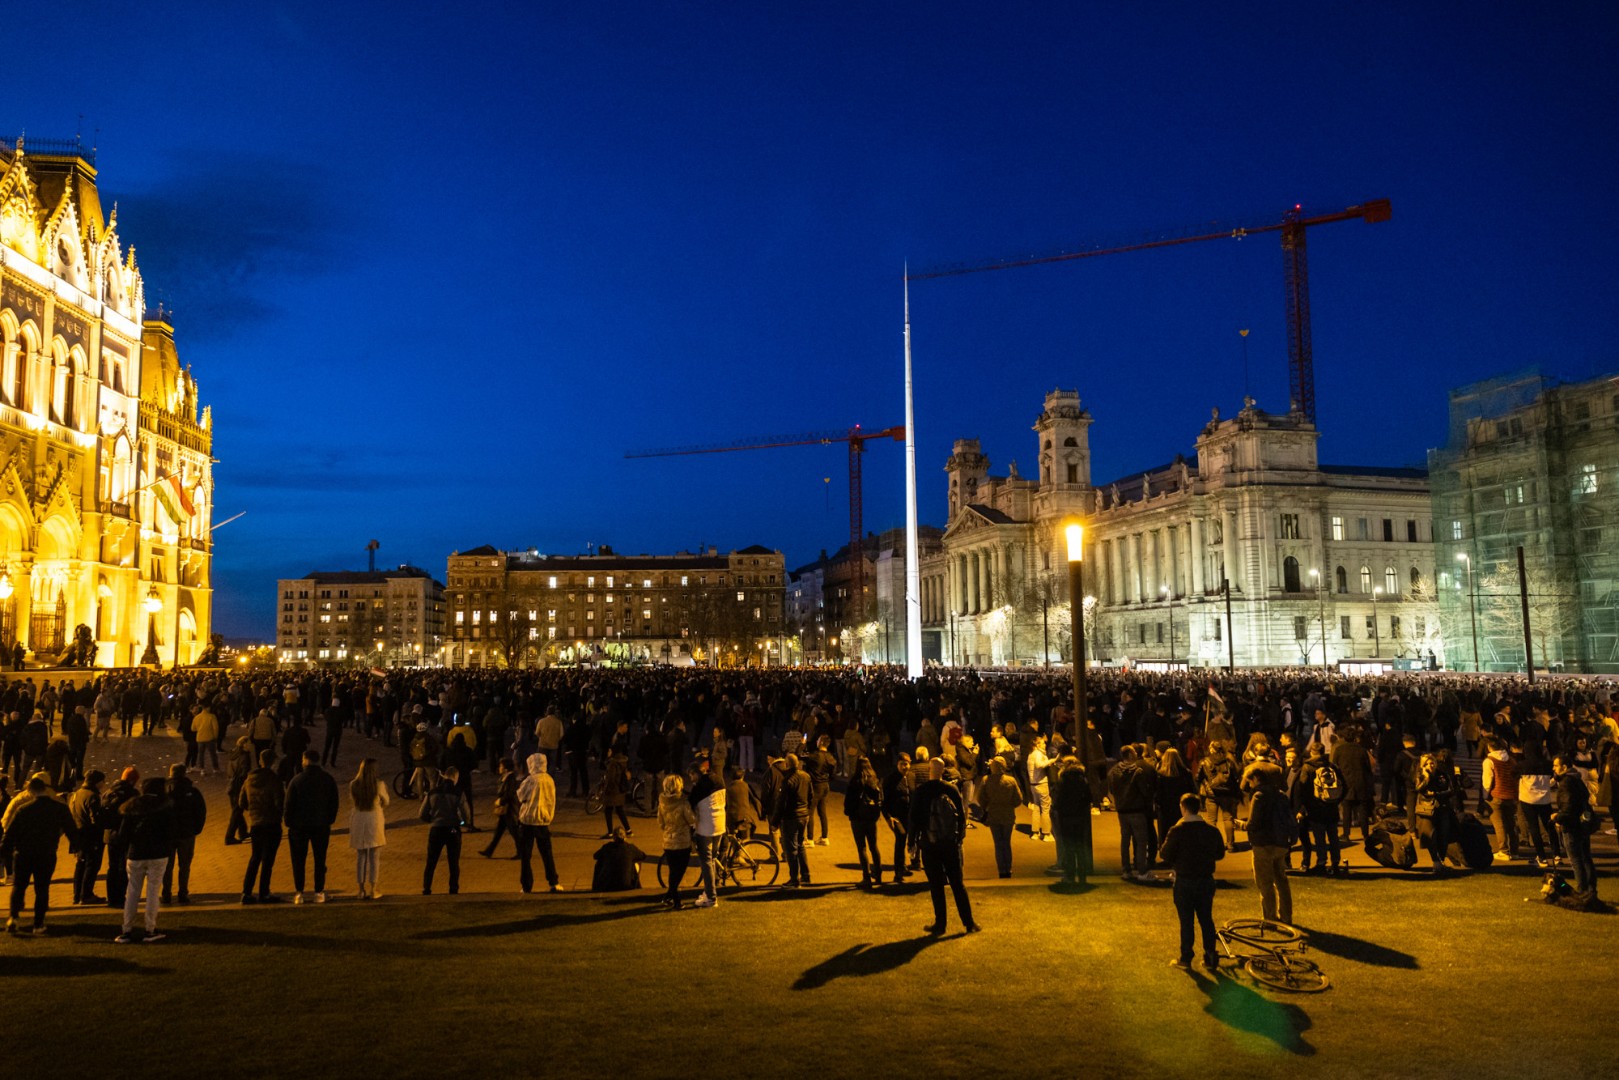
point(216, 237)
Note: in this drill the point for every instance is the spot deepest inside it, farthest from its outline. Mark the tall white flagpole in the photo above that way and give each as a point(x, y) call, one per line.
point(913, 567)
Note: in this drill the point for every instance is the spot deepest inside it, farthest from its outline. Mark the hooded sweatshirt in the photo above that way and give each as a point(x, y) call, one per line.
point(537, 794)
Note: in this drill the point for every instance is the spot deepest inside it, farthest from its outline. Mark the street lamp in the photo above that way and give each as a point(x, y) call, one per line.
point(1472, 597)
point(1163, 590)
point(1076, 604)
point(1377, 635)
point(154, 604)
point(1321, 605)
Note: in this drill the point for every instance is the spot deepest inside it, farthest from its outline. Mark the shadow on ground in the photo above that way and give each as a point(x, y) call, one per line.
point(67, 967)
point(1242, 1008)
point(1359, 949)
point(860, 960)
point(1077, 888)
point(546, 921)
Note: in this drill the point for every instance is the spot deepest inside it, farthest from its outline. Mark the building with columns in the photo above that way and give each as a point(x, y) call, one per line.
point(106, 477)
point(1319, 563)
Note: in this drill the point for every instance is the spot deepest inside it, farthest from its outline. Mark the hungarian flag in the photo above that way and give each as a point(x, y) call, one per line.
point(172, 494)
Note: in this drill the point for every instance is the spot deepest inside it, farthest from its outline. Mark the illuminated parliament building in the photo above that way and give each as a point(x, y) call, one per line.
point(106, 482)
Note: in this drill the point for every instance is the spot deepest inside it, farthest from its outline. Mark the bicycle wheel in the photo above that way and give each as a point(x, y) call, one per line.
point(402, 784)
point(593, 803)
point(1263, 933)
point(756, 865)
point(1284, 971)
point(663, 878)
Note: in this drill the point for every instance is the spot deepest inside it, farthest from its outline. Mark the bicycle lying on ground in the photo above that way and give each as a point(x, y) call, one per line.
point(1272, 954)
point(740, 864)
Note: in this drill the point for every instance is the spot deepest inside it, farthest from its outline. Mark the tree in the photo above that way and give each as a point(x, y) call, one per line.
point(1553, 613)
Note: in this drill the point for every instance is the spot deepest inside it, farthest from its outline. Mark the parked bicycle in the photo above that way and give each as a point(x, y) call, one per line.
point(1272, 954)
point(754, 863)
point(416, 782)
point(635, 801)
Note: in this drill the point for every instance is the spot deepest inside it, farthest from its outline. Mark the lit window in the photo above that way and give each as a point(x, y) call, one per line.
point(646, 613)
point(551, 615)
point(684, 580)
point(477, 617)
point(550, 633)
point(590, 582)
point(551, 582)
point(741, 596)
point(609, 581)
point(1588, 479)
point(1337, 528)
point(1455, 530)
point(1391, 581)
point(1366, 579)
point(494, 616)
point(646, 583)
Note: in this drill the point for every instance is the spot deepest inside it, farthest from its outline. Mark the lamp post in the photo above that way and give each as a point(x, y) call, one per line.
point(1163, 590)
point(1472, 599)
point(1321, 606)
point(154, 604)
point(1377, 635)
point(1076, 602)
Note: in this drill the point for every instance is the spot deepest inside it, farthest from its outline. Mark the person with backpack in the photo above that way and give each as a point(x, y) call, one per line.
point(938, 826)
point(1320, 792)
point(1131, 787)
point(444, 810)
point(536, 801)
point(262, 801)
point(1217, 784)
point(1272, 830)
point(863, 805)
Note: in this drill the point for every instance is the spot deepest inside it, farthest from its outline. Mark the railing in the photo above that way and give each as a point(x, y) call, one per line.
point(73, 147)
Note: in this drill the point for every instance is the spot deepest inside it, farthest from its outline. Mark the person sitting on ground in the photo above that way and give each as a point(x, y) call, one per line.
point(618, 862)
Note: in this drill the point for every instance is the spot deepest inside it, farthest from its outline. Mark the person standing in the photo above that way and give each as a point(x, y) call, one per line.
point(1319, 791)
point(190, 814)
point(707, 800)
point(897, 812)
point(444, 810)
point(938, 826)
point(790, 816)
point(863, 805)
point(239, 765)
point(548, 732)
point(536, 800)
point(999, 797)
point(676, 821)
point(1571, 805)
point(122, 791)
point(147, 831)
point(1037, 765)
point(76, 726)
point(1131, 785)
point(310, 810)
point(367, 826)
point(819, 764)
point(1071, 804)
point(1192, 848)
point(30, 834)
point(1272, 829)
point(263, 801)
point(205, 726)
point(85, 804)
point(1500, 784)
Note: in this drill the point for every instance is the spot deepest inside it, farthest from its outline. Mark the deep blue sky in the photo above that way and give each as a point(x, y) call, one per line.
point(437, 269)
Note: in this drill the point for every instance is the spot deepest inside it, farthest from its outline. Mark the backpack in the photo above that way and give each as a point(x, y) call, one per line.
point(1329, 786)
point(1217, 778)
point(868, 803)
point(944, 822)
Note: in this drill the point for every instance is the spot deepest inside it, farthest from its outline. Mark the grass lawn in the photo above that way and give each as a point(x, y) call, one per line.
point(1430, 978)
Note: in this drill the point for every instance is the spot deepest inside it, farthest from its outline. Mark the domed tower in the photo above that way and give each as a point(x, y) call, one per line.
point(967, 468)
point(1065, 442)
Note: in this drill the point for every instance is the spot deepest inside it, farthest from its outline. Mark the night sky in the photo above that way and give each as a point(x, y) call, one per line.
point(437, 268)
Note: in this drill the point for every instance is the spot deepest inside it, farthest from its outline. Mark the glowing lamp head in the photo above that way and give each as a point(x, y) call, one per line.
point(5, 588)
point(1076, 542)
point(154, 603)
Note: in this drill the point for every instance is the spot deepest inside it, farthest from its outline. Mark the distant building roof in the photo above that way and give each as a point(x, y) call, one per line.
point(364, 577)
point(1403, 472)
point(990, 514)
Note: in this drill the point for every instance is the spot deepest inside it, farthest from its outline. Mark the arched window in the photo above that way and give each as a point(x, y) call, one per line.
point(76, 376)
point(1391, 581)
point(17, 384)
point(1343, 580)
point(1416, 582)
point(1290, 574)
point(59, 381)
point(1366, 579)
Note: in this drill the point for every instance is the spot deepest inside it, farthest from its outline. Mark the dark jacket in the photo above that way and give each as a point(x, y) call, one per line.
point(897, 797)
point(1271, 819)
point(793, 798)
point(311, 800)
point(85, 803)
point(37, 826)
point(1570, 798)
point(1131, 786)
point(262, 798)
point(442, 809)
point(922, 810)
point(190, 808)
point(112, 804)
point(1192, 847)
point(148, 827)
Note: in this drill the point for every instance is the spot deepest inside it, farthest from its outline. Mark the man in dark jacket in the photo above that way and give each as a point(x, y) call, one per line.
point(262, 802)
point(790, 816)
point(897, 812)
point(1354, 764)
point(1131, 787)
point(311, 809)
point(147, 832)
point(190, 814)
point(237, 767)
point(33, 826)
point(91, 838)
point(1192, 847)
point(1570, 799)
point(444, 810)
point(1272, 828)
point(937, 832)
point(122, 791)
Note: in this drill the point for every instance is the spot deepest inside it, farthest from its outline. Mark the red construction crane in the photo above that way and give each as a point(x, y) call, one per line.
point(857, 438)
point(1292, 226)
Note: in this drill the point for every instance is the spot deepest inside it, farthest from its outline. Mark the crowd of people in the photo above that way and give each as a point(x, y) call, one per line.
point(1293, 760)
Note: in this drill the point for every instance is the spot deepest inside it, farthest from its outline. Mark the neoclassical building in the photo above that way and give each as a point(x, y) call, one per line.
point(1320, 563)
point(106, 480)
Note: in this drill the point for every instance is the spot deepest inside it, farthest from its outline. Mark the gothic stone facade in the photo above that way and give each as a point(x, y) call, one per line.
point(106, 482)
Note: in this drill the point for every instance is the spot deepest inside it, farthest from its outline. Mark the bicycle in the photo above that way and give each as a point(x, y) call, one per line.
point(636, 800)
point(754, 863)
point(404, 785)
point(1272, 954)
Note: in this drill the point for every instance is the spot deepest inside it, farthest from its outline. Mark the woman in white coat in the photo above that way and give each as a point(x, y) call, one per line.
point(367, 825)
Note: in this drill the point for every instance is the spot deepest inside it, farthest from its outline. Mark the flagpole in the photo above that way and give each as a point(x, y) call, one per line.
point(913, 568)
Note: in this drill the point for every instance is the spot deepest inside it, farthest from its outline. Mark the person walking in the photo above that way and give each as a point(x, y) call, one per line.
point(1192, 848)
point(190, 814)
point(676, 820)
point(205, 726)
point(505, 809)
point(938, 825)
point(31, 831)
point(999, 798)
point(311, 808)
point(368, 797)
point(863, 805)
point(536, 801)
point(444, 810)
point(262, 801)
point(147, 831)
